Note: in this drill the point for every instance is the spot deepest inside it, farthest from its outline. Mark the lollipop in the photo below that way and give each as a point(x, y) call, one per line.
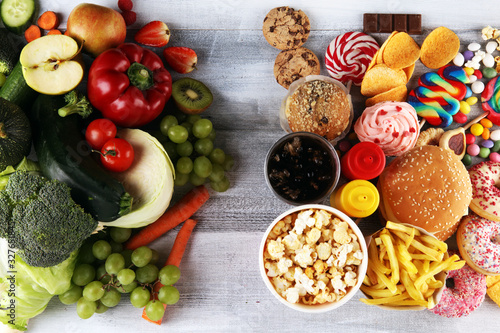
point(491, 100)
point(348, 56)
point(437, 98)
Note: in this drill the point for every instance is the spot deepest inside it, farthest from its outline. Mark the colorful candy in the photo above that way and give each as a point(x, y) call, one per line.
point(473, 149)
point(468, 55)
point(470, 138)
point(471, 100)
point(437, 97)
point(477, 87)
point(484, 152)
point(489, 72)
point(494, 157)
point(477, 129)
point(460, 118)
point(487, 144)
point(349, 55)
point(495, 135)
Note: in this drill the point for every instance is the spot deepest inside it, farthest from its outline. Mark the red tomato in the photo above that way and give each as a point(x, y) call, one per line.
point(117, 155)
point(99, 131)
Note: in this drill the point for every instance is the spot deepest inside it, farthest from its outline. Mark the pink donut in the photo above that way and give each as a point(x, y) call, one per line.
point(478, 241)
point(464, 292)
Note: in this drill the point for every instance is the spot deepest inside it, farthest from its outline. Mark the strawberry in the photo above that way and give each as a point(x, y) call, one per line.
point(181, 59)
point(129, 16)
point(155, 33)
point(125, 5)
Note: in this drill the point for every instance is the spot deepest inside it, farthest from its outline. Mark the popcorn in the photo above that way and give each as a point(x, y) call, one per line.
point(276, 249)
point(312, 257)
point(324, 250)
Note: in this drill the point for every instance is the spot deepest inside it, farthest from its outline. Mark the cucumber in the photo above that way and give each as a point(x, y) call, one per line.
point(18, 15)
point(64, 155)
point(16, 90)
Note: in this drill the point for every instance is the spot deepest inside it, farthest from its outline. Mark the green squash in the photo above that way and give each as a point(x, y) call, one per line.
point(15, 134)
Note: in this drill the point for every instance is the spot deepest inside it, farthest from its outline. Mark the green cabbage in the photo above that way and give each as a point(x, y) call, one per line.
point(150, 180)
point(25, 291)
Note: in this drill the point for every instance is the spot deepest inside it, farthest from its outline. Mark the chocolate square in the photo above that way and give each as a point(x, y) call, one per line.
point(400, 22)
point(370, 23)
point(385, 22)
point(414, 24)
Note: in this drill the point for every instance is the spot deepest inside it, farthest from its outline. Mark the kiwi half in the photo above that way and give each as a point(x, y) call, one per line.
point(191, 96)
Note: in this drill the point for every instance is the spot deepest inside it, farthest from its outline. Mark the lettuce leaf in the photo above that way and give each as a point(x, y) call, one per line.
point(25, 291)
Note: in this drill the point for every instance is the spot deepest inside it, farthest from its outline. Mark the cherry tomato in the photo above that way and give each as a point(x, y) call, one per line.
point(99, 131)
point(117, 155)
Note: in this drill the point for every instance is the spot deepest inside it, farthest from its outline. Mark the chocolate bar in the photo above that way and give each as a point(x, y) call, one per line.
point(387, 23)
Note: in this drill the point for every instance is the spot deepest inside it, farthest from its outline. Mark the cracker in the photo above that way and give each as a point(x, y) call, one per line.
point(381, 78)
point(401, 51)
point(439, 48)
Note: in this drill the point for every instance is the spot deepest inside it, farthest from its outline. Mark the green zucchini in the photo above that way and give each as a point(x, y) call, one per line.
point(63, 154)
point(16, 90)
point(18, 15)
point(9, 54)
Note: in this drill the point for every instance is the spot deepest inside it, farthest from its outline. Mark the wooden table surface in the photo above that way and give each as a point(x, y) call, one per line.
point(221, 288)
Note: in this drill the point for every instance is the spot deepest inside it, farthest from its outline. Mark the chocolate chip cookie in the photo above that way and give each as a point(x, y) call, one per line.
point(291, 65)
point(286, 28)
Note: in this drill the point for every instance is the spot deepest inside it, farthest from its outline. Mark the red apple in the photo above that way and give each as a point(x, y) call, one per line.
point(100, 28)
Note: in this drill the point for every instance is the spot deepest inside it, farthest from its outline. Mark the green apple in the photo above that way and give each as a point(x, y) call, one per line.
point(52, 64)
point(98, 27)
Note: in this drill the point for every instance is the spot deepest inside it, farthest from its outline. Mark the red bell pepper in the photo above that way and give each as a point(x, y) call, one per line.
point(129, 85)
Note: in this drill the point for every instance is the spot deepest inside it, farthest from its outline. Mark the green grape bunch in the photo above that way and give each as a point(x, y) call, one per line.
point(105, 272)
point(189, 141)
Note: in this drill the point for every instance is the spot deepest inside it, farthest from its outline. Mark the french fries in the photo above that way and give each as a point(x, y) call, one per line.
point(403, 266)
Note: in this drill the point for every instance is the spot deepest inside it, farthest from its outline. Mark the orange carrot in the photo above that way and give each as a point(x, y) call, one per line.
point(180, 243)
point(175, 257)
point(172, 217)
point(48, 20)
point(33, 32)
point(54, 32)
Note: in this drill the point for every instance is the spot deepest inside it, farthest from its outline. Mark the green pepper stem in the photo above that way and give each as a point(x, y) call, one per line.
point(140, 76)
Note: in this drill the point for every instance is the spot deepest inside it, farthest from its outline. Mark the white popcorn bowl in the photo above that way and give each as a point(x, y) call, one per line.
point(318, 308)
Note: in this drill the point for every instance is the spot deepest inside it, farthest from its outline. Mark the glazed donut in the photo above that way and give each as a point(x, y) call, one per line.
point(478, 241)
point(485, 195)
point(464, 292)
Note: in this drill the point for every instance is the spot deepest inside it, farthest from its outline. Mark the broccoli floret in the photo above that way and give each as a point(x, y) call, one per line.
point(77, 103)
point(46, 225)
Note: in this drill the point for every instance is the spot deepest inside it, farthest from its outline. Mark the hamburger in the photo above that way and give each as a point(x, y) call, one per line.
point(427, 187)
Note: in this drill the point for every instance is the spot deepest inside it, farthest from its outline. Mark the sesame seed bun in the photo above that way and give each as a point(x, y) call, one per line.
point(428, 187)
